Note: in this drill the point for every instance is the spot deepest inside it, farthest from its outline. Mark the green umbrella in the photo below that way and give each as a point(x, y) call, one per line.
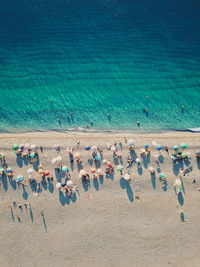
point(162, 175)
point(120, 168)
point(174, 154)
point(15, 147)
point(183, 146)
point(64, 169)
point(184, 155)
point(32, 155)
point(20, 178)
point(1, 170)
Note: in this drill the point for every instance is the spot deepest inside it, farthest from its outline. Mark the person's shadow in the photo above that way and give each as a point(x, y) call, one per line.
point(153, 180)
point(44, 222)
point(182, 216)
point(133, 154)
point(31, 214)
point(140, 171)
point(161, 159)
point(101, 180)
point(90, 161)
point(85, 185)
point(165, 186)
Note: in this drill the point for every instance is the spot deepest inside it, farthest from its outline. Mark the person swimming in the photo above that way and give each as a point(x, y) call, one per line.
point(138, 123)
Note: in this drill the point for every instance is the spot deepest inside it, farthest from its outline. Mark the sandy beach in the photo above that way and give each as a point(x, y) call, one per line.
point(106, 225)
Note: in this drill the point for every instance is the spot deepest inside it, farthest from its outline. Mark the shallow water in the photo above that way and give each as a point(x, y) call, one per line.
point(97, 57)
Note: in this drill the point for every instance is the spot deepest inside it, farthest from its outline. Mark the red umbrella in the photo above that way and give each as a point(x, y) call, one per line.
point(46, 173)
point(109, 164)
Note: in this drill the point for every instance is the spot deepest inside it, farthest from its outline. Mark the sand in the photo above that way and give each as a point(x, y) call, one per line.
point(106, 225)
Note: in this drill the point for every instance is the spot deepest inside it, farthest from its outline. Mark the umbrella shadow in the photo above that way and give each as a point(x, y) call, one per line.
point(133, 154)
point(198, 163)
point(25, 160)
point(90, 162)
point(177, 166)
point(19, 161)
point(72, 165)
point(62, 198)
point(97, 164)
point(140, 171)
point(125, 185)
point(187, 162)
point(36, 163)
point(5, 182)
point(153, 180)
point(33, 185)
point(101, 156)
point(183, 187)
point(59, 175)
point(161, 159)
point(110, 176)
point(73, 198)
point(25, 194)
point(145, 161)
point(86, 185)
point(115, 160)
point(44, 184)
point(50, 186)
point(121, 146)
point(122, 183)
point(13, 183)
point(31, 214)
point(44, 223)
point(180, 199)
point(96, 184)
point(101, 179)
point(79, 166)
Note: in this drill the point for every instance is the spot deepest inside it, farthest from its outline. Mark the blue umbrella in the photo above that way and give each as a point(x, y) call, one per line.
point(197, 152)
point(176, 147)
point(159, 147)
point(9, 170)
point(97, 157)
point(87, 147)
point(146, 146)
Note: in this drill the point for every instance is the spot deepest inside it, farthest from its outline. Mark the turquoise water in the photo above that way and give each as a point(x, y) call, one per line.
point(95, 57)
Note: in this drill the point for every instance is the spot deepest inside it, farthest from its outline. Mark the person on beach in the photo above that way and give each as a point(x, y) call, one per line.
point(41, 149)
point(146, 110)
point(125, 140)
point(138, 123)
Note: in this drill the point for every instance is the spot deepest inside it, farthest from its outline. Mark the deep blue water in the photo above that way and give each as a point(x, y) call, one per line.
point(95, 57)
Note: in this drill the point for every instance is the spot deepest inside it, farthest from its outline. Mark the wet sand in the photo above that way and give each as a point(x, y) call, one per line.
point(105, 225)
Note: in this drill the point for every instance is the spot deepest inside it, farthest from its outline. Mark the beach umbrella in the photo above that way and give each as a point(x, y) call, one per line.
point(175, 147)
point(178, 182)
point(104, 161)
point(113, 148)
point(32, 155)
point(69, 183)
point(32, 147)
point(162, 175)
point(159, 147)
point(20, 178)
point(87, 147)
point(120, 168)
point(58, 185)
point(77, 155)
point(9, 170)
point(151, 169)
point(142, 150)
point(59, 159)
point(146, 146)
point(94, 148)
point(97, 157)
point(174, 154)
point(63, 183)
point(64, 168)
point(47, 172)
point(127, 177)
point(137, 160)
point(2, 155)
point(41, 171)
point(93, 170)
point(99, 171)
point(130, 142)
point(184, 155)
point(1, 170)
point(109, 164)
point(197, 152)
point(55, 146)
point(54, 160)
point(82, 172)
point(15, 147)
point(30, 171)
point(26, 146)
point(183, 146)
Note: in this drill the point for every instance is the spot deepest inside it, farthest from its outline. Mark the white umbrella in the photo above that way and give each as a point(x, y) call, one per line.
point(142, 150)
point(33, 147)
point(113, 148)
point(151, 169)
point(26, 146)
point(178, 182)
point(156, 157)
point(82, 173)
point(99, 172)
point(137, 160)
point(94, 148)
point(77, 155)
point(108, 145)
point(54, 160)
point(127, 177)
point(58, 185)
point(130, 142)
point(104, 161)
point(59, 159)
point(30, 171)
point(69, 183)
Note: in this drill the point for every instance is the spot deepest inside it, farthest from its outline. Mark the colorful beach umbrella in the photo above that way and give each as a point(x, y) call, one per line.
point(64, 168)
point(130, 142)
point(41, 171)
point(82, 173)
point(32, 147)
point(183, 145)
point(15, 147)
point(93, 170)
point(69, 183)
point(77, 155)
point(175, 147)
point(59, 159)
point(109, 164)
point(197, 152)
point(54, 160)
point(32, 155)
point(97, 157)
point(120, 168)
point(104, 161)
point(99, 171)
point(9, 170)
point(151, 169)
point(30, 171)
point(1, 170)
point(20, 178)
point(162, 175)
point(47, 172)
point(127, 177)
point(159, 147)
point(58, 185)
point(138, 160)
point(87, 147)
point(113, 148)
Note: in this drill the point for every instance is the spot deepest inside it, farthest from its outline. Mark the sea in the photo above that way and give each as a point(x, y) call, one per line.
point(97, 64)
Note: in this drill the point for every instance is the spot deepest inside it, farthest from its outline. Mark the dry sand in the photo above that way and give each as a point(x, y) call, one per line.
point(112, 228)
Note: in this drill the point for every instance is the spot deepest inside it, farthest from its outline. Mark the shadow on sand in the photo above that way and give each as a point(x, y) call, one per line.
point(126, 185)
